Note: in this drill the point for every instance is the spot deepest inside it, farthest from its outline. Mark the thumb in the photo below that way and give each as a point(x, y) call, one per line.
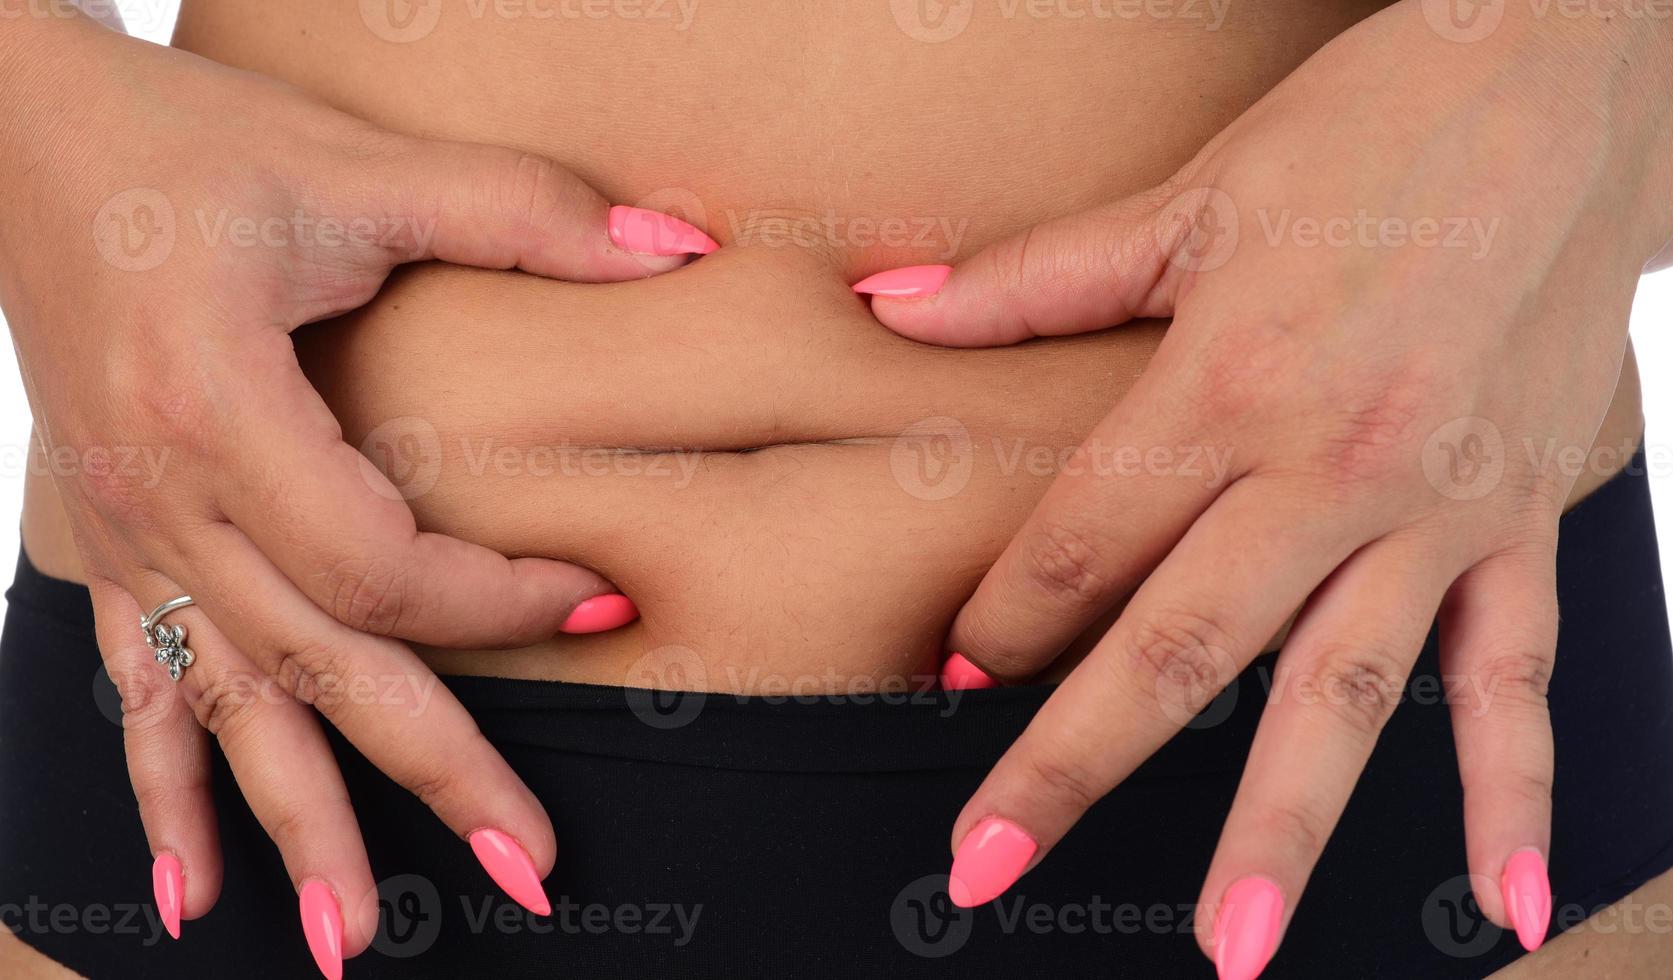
point(499, 208)
point(1081, 272)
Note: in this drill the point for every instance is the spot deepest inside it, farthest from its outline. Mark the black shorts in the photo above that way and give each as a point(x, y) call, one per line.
point(721, 836)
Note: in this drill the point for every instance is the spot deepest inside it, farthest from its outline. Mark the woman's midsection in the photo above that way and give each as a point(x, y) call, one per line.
point(794, 497)
point(791, 494)
point(843, 127)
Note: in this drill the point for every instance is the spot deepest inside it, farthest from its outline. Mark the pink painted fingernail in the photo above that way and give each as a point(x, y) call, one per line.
point(168, 885)
point(322, 923)
point(655, 233)
point(989, 860)
point(600, 613)
point(959, 674)
point(913, 280)
point(1246, 928)
point(511, 868)
point(1526, 890)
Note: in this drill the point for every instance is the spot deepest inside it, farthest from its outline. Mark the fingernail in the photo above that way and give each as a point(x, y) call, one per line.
point(654, 233)
point(989, 860)
point(511, 868)
point(913, 280)
point(168, 886)
point(1246, 928)
point(1526, 890)
point(600, 613)
point(322, 923)
point(959, 674)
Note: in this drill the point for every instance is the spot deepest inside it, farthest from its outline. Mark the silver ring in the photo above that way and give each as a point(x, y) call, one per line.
point(168, 642)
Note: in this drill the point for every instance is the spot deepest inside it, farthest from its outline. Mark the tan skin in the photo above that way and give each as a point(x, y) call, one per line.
point(800, 562)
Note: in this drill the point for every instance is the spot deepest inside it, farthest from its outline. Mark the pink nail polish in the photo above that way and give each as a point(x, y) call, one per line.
point(601, 613)
point(655, 233)
point(959, 674)
point(322, 923)
point(989, 860)
point(511, 868)
point(1526, 890)
point(168, 885)
point(1246, 928)
point(912, 280)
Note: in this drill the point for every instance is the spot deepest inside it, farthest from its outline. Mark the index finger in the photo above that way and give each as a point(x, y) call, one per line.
point(1130, 491)
point(385, 701)
point(1190, 629)
point(343, 533)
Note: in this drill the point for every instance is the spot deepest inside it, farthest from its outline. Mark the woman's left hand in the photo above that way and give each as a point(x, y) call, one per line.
point(1400, 286)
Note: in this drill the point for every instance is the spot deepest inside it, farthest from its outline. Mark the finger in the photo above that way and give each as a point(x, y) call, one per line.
point(1096, 533)
point(168, 762)
point(387, 703)
point(288, 775)
point(1338, 680)
point(1499, 632)
point(344, 534)
point(1080, 272)
point(499, 208)
point(1195, 623)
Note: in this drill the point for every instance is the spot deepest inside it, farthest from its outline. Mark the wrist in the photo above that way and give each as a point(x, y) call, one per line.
point(58, 74)
point(1600, 72)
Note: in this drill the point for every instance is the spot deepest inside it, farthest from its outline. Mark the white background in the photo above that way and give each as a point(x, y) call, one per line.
point(154, 20)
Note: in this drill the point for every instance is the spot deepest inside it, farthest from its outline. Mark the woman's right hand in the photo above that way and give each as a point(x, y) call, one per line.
point(169, 222)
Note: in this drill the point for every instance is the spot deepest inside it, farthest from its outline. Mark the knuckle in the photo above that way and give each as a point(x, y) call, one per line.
point(118, 500)
point(145, 699)
point(155, 798)
point(369, 594)
point(1180, 657)
point(226, 707)
point(1295, 828)
point(1016, 263)
point(1232, 382)
point(310, 671)
point(992, 647)
point(1523, 789)
point(1541, 490)
point(1524, 677)
point(1067, 564)
point(1362, 685)
point(288, 823)
point(1064, 779)
point(1375, 434)
point(145, 708)
point(177, 407)
point(434, 786)
point(533, 189)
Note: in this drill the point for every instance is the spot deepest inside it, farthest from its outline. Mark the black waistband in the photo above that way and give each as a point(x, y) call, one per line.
point(920, 728)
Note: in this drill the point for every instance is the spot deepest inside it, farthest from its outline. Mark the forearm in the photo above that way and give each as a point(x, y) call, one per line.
point(1602, 72)
point(49, 66)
